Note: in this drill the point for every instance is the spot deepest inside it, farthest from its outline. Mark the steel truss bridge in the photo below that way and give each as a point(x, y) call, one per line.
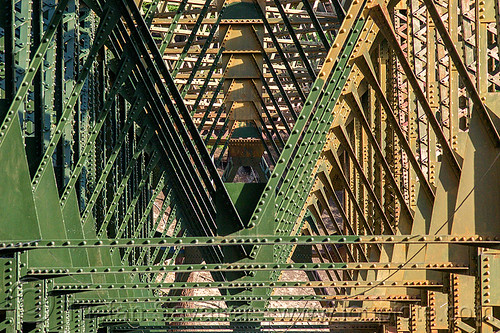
point(249, 166)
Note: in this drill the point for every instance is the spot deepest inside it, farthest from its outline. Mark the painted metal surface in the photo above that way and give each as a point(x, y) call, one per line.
point(371, 129)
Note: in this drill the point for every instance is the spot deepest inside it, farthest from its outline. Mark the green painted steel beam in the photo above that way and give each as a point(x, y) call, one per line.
point(478, 241)
point(47, 272)
point(34, 65)
point(171, 28)
point(112, 132)
point(239, 310)
point(279, 49)
point(241, 318)
point(282, 298)
point(296, 41)
point(191, 38)
point(82, 287)
point(202, 54)
point(195, 328)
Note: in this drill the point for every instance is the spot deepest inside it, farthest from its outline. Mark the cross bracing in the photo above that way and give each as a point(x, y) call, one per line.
point(249, 166)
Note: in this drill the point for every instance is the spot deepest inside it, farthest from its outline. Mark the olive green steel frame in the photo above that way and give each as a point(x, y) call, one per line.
point(379, 121)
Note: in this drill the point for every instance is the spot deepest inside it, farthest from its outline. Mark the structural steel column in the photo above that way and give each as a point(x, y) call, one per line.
point(241, 34)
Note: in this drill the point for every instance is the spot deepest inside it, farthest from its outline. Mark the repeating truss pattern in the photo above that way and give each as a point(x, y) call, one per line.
point(249, 166)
